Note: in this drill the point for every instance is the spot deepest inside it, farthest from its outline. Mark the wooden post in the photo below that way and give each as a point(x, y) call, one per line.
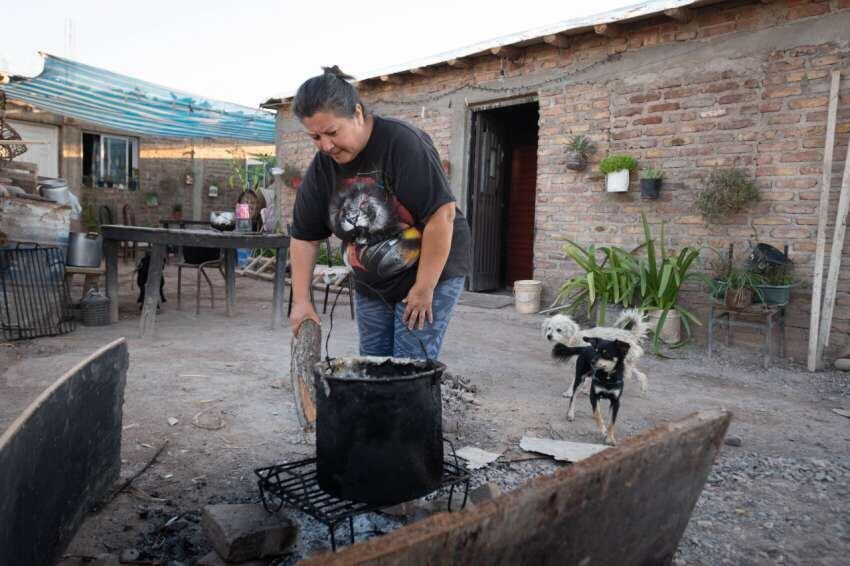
point(279, 287)
point(815, 356)
point(110, 251)
point(230, 280)
point(147, 324)
point(835, 257)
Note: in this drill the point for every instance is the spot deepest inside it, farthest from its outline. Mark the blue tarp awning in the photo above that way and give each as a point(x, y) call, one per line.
point(117, 101)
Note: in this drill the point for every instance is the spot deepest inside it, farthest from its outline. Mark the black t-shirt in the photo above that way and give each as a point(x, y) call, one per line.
point(377, 205)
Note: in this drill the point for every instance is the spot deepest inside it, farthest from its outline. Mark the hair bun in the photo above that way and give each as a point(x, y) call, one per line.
point(337, 72)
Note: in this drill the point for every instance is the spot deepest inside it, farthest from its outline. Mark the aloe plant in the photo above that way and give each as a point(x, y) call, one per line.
point(661, 279)
point(611, 281)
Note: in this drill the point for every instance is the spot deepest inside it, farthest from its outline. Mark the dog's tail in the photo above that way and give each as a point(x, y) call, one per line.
point(564, 353)
point(633, 321)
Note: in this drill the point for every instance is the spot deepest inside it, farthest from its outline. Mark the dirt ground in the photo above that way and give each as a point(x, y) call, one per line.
point(782, 496)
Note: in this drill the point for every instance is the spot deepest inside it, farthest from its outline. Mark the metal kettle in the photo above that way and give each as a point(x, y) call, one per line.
point(84, 249)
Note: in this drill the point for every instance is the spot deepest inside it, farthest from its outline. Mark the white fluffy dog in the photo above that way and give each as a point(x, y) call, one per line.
point(630, 327)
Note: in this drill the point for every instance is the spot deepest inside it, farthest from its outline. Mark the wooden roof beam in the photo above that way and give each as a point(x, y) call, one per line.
point(681, 15)
point(391, 79)
point(458, 63)
point(557, 40)
point(506, 51)
point(608, 30)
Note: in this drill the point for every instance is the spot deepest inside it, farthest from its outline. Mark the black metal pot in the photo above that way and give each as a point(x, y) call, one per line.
point(649, 188)
point(379, 433)
point(576, 161)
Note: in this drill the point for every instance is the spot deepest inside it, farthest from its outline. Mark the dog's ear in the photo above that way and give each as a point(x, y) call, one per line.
point(622, 347)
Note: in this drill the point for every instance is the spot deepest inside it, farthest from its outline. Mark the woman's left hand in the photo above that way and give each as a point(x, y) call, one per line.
point(417, 306)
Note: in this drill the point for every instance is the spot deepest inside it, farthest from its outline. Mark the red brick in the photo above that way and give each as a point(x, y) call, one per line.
point(802, 156)
point(783, 91)
point(813, 102)
point(647, 97)
point(735, 98)
point(663, 107)
point(773, 106)
point(721, 87)
point(647, 120)
point(789, 118)
point(735, 124)
point(807, 11)
point(630, 111)
point(791, 233)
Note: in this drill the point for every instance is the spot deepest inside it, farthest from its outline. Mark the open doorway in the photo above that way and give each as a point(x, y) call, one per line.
point(502, 186)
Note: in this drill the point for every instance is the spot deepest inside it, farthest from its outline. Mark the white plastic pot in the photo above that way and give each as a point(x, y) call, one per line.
point(617, 182)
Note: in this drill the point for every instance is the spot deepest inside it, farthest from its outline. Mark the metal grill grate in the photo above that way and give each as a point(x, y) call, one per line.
point(296, 484)
point(33, 298)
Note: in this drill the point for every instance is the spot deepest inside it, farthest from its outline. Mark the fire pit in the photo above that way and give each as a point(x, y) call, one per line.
point(296, 484)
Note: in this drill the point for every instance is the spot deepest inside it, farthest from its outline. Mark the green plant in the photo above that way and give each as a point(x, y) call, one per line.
point(178, 207)
point(728, 191)
point(662, 277)
point(652, 173)
point(614, 163)
point(611, 281)
point(740, 279)
point(323, 259)
point(89, 217)
point(581, 145)
point(779, 275)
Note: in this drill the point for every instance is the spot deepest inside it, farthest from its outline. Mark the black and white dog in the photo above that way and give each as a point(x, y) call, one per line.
point(142, 268)
point(604, 361)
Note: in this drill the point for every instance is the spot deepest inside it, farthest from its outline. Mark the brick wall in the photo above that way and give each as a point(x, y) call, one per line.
point(742, 83)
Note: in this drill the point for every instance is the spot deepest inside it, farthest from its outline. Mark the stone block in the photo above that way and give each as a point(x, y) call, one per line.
point(247, 532)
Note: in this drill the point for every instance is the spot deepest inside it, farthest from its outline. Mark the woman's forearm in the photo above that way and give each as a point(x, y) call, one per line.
point(436, 244)
point(303, 255)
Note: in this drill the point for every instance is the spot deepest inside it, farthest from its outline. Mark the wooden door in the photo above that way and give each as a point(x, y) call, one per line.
point(519, 244)
point(487, 200)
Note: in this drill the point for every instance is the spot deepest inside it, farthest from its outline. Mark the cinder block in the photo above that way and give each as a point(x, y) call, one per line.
point(247, 532)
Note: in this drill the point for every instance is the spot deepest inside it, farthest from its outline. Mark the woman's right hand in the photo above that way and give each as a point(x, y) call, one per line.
point(302, 311)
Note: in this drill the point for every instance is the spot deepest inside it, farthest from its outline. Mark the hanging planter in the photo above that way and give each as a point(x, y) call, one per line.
point(617, 182)
point(616, 169)
point(578, 150)
point(650, 183)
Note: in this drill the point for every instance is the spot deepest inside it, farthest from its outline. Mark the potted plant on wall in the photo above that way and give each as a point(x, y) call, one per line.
point(650, 182)
point(728, 191)
point(616, 169)
point(177, 211)
point(579, 148)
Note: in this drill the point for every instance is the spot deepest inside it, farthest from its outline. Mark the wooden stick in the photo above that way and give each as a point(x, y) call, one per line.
point(835, 257)
point(126, 483)
point(306, 351)
point(815, 357)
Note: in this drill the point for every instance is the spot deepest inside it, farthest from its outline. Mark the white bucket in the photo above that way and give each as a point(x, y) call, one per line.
point(527, 295)
point(617, 182)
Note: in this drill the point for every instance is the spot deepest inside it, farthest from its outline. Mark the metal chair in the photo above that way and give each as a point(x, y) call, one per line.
point(129, 218)
point(200, 266)
point(346, 280)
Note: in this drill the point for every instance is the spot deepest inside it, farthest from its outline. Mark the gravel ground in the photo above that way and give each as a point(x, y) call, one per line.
point(780, 496)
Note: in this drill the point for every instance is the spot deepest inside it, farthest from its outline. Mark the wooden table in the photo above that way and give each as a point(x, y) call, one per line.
point(160, 238)
point(168, 222)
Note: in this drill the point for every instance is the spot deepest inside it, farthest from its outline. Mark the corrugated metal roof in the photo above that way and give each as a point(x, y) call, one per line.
point(117, 101)
point(572, 26)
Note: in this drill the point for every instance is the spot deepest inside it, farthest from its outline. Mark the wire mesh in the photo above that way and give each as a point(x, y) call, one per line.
point(33, 297)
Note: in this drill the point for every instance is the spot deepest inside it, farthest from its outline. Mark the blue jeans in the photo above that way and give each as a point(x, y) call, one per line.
point(382, 332)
